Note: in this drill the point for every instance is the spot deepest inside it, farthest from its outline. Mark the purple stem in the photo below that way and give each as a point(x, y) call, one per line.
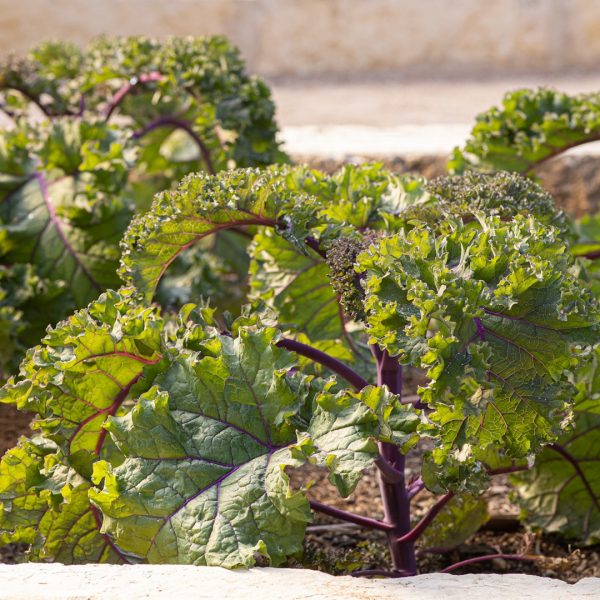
point(127, 88)
point(559, 150)
point(388, 472)
point(592, 255)
point(396, 503)
point(33, 99)
point(480, 328)
point(420, 527)
point(344, 515)
point(415, 487)
point(333, 364)
point(507, 470)
point(311, 242)
point(184, 126)
point(478, 559)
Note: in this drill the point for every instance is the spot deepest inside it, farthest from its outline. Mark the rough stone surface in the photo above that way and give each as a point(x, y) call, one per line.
point(307, 37)
point(106, 582)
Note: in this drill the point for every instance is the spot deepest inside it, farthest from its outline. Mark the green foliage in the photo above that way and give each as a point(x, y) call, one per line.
point(494, 315)
point(160, 428)
point(62, 213)
point(460, 518)
point(201, 80)
point(176, 433)
point(561, 493)
point(70, 183)
point(531, 126)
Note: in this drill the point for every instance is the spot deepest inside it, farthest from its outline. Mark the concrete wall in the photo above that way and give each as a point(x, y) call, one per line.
point(319, 37)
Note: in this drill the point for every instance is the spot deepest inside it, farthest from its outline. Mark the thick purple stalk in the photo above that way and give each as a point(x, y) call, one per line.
point(592, 255)
point(184, 126)
point(338, 367)
point(396, 503)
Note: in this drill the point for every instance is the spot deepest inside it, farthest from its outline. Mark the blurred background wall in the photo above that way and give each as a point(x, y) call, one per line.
point(291, 38)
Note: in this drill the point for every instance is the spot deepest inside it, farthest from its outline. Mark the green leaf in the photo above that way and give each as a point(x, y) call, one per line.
point(296, 285)
point(46, 505)
point(201, 426)
point(458, 520)
point(61, 215)
point(346, 425)
point(202, 206)
point(68, 187)
point(503, 194)
point(531, 126)
point(491, 309)
point(561, 493)
point(84, 371)
point(21, 506)
point(210, 446)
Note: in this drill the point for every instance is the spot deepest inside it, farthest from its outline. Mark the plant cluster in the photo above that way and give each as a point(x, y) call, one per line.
point(168, 436)
point(96, 133)
point(169, 439)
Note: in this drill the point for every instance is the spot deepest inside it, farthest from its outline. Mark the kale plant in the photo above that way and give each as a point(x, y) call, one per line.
point(169, 439)
point(95, 133)
point(530, 128)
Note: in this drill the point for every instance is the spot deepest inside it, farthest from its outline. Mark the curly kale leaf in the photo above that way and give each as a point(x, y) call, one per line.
point(202, 206)
point(62, 213)
point(84, 371)
point(503, 194)
point(530, 127)
point(197, 87)
point(211, 445)
point(493, 312)
point(177, 423)
point(561, 493)
point(458, 520)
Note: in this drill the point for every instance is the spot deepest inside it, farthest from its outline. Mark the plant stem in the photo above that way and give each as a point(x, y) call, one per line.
point(560, 150)
point(184, 126)
point(127, 88)
point(507, 470)
point(415, 487)
point(333, 364)
point(591, 255)
point(420, 527)
point(478, 559)
point(349, 517)
point(388, 472)
point(396, 504)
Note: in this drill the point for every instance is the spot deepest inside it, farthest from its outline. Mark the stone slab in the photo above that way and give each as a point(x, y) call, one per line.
point(172, 582)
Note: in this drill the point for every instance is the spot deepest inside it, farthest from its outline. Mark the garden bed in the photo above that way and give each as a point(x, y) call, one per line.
point(338, 548)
